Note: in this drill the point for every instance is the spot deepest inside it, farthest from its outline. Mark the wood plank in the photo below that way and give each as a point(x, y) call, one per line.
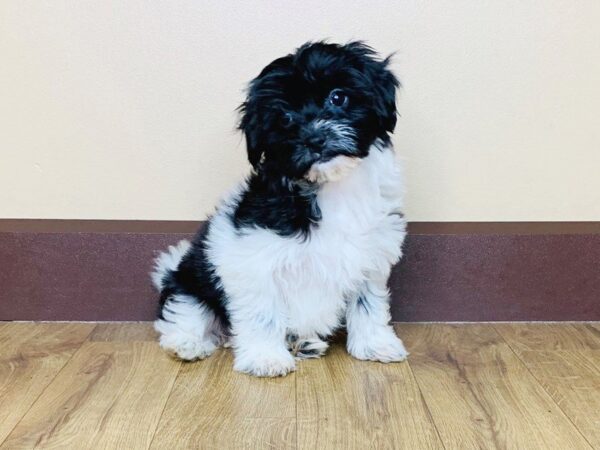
point(109, 395)
point(571, 377)
point(573, 381)
point(480, 394)
point(594, 328)
point(550, 336)
point(222, 432)
point(212, 406)
point(344, 403)
point(30, 357)
point(124, 332)
point(593, 357)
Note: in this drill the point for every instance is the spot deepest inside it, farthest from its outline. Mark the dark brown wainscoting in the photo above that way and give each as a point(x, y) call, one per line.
point(98, 270)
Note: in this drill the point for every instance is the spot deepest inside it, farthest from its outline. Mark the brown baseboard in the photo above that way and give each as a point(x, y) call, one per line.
point(459, 271)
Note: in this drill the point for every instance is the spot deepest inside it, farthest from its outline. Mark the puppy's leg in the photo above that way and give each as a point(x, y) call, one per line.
point(188, 329)
point(370, 335)
point(258, 326)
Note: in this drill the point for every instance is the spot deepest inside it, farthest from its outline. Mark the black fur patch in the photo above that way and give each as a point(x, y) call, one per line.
point(196, 277)
point(287, 209)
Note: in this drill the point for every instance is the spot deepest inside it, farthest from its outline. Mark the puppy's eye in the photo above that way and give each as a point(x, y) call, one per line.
point(286, 120)
point(338, 98)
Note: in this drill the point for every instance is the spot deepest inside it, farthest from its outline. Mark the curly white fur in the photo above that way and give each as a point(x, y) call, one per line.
point(277, 286)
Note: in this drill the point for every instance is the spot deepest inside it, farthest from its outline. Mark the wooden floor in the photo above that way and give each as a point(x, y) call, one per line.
point(521, 386)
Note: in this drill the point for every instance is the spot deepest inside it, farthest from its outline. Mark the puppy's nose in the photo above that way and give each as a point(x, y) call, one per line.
point(316, 140)
point(315, 143)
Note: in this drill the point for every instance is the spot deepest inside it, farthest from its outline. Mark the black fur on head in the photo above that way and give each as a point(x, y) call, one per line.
point(319, 102)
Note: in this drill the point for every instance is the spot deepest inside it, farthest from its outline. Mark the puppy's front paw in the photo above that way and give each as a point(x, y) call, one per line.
point(383, 346)
point(265, 364)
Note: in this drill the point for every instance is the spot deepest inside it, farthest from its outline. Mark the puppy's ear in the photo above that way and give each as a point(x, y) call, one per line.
point(249, 126)
point(382, 81)
point(385, 87)
point(254, 115)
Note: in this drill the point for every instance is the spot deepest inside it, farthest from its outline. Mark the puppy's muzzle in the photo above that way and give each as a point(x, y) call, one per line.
point(314, 143)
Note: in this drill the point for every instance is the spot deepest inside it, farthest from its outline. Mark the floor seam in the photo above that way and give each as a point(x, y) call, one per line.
point(296, 404)
point(162, 412)
point(435, 427)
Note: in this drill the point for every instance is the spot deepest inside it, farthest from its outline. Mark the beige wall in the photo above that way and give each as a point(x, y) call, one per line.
point(125, 109)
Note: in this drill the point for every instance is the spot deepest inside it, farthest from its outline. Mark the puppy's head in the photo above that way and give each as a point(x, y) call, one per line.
point(315, 113)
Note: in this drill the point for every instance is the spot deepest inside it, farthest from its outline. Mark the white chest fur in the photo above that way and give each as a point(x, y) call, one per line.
point(309, 281)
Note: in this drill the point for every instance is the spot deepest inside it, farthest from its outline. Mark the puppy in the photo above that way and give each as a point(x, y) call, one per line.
point(306, 243)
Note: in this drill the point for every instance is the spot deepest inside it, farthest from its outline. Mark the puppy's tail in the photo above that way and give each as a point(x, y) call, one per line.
point(167, 262)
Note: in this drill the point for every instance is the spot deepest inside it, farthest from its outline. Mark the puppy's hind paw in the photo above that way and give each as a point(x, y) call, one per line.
point(307, 348)
point(188, 350)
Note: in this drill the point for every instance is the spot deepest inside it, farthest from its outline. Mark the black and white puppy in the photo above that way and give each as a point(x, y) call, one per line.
point(306, 242)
